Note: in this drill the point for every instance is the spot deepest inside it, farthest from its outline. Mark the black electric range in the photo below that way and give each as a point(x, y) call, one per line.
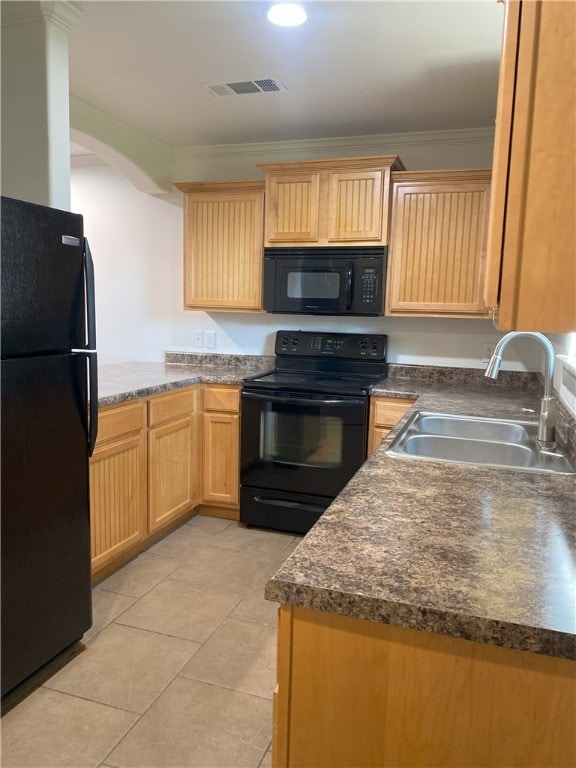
point(305, 425)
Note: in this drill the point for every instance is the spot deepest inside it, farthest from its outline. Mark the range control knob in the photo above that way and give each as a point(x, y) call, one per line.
point(295, 341)
point(285, 341)
point(363, 344)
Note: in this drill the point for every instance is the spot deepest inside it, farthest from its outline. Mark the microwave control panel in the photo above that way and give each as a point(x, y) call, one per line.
point(369, 291)
point(352, 346)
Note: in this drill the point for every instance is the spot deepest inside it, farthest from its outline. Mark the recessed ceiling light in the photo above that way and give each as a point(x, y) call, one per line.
point(287, 14)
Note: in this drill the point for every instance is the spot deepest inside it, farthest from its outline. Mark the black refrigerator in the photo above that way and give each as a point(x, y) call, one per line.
point(48, 429)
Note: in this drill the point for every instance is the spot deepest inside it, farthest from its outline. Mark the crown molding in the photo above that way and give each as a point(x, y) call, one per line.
point(321, 147)
point(62, 14)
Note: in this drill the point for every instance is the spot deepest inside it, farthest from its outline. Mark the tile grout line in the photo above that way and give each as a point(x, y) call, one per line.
point(206, 541)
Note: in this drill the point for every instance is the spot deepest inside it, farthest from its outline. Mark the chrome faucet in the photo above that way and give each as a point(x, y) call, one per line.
point(547, 420)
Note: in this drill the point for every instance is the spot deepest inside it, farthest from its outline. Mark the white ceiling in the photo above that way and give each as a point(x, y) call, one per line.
point(354, 69)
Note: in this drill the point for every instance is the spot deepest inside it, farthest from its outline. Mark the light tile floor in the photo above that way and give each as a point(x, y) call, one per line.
point(178, 668)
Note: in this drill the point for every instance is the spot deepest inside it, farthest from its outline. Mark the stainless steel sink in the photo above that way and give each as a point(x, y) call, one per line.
point(476, 429)
point(476, 440)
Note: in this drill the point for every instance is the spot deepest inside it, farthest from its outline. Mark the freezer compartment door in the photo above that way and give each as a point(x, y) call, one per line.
point(45, 566)
point(42, 279)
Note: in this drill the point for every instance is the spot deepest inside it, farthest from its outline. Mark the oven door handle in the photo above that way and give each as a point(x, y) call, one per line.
point(290, 504)
point(315, 400)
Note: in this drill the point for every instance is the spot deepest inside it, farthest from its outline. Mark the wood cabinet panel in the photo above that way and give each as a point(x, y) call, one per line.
point(143, 481)
point(329, 201)
point(355, 206)
point(173, 476)
point(221, 399)
point(293, 214)
point(504, 116)
point(117, 498)
point(170, 406)
point(355, 692)
point(385, 413)
point(221, 482)
point(223, 234)
point(438, 243)
point(120, 420)
point(532, 242)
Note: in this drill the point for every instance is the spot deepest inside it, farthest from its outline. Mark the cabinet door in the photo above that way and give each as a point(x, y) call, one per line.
point(385, 413)
point(172, 470)
point(292, 203)
point(117, 498)
point(353, 692)
point(438, 247)
point(355, 206)
point(504, 116)
point(532, 273)
point(223, 247)
point(221, 476)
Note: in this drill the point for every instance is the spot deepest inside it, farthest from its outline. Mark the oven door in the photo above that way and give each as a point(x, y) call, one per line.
point(308, 285)
point(302, 443)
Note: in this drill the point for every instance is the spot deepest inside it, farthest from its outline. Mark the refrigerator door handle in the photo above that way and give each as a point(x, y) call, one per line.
point(91, 350)
point(92, 358)
point(90, 297)
point(93, 395)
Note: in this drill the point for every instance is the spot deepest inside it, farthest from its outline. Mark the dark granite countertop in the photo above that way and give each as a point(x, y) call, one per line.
point(120, 382)
point(479, 553)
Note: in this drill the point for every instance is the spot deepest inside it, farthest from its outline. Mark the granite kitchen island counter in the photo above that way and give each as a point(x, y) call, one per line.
point(479, 553)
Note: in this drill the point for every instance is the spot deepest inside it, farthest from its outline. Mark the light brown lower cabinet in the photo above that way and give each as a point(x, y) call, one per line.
point(353, 692)
point(221, 450)
point(173, 456)
point(144, 474)
point(118, 491)
point(385, 413)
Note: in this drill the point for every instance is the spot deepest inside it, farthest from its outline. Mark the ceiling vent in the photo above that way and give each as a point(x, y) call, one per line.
point(261, 85)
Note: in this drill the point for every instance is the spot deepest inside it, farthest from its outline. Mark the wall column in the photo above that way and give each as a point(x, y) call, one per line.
point(35, 101)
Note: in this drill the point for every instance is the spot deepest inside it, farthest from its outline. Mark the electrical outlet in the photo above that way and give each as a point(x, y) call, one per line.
point(487, 352)
point(197, 338)
point(210, 339)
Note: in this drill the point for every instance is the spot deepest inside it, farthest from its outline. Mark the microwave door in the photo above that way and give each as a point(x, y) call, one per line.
point(314, 287)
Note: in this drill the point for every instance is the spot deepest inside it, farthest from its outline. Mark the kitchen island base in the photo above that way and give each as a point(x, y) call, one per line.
point(353, 692)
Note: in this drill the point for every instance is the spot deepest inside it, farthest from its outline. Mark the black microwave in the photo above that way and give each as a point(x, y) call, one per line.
point(325, 280)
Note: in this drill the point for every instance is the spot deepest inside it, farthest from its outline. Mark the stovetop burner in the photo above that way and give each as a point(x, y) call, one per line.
point(319, 362)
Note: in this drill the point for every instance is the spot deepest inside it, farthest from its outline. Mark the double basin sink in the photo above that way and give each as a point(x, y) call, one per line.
point(476, 440)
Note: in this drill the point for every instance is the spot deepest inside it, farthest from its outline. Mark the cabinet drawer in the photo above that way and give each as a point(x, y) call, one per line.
point(222, 399)
point(166, 407)
point(388, 411)
point(120, 420)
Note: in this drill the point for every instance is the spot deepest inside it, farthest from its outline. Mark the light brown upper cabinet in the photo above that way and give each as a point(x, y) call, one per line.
point(324, 202)
point(531, 276)
point(437, 252)
point(223, 235)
